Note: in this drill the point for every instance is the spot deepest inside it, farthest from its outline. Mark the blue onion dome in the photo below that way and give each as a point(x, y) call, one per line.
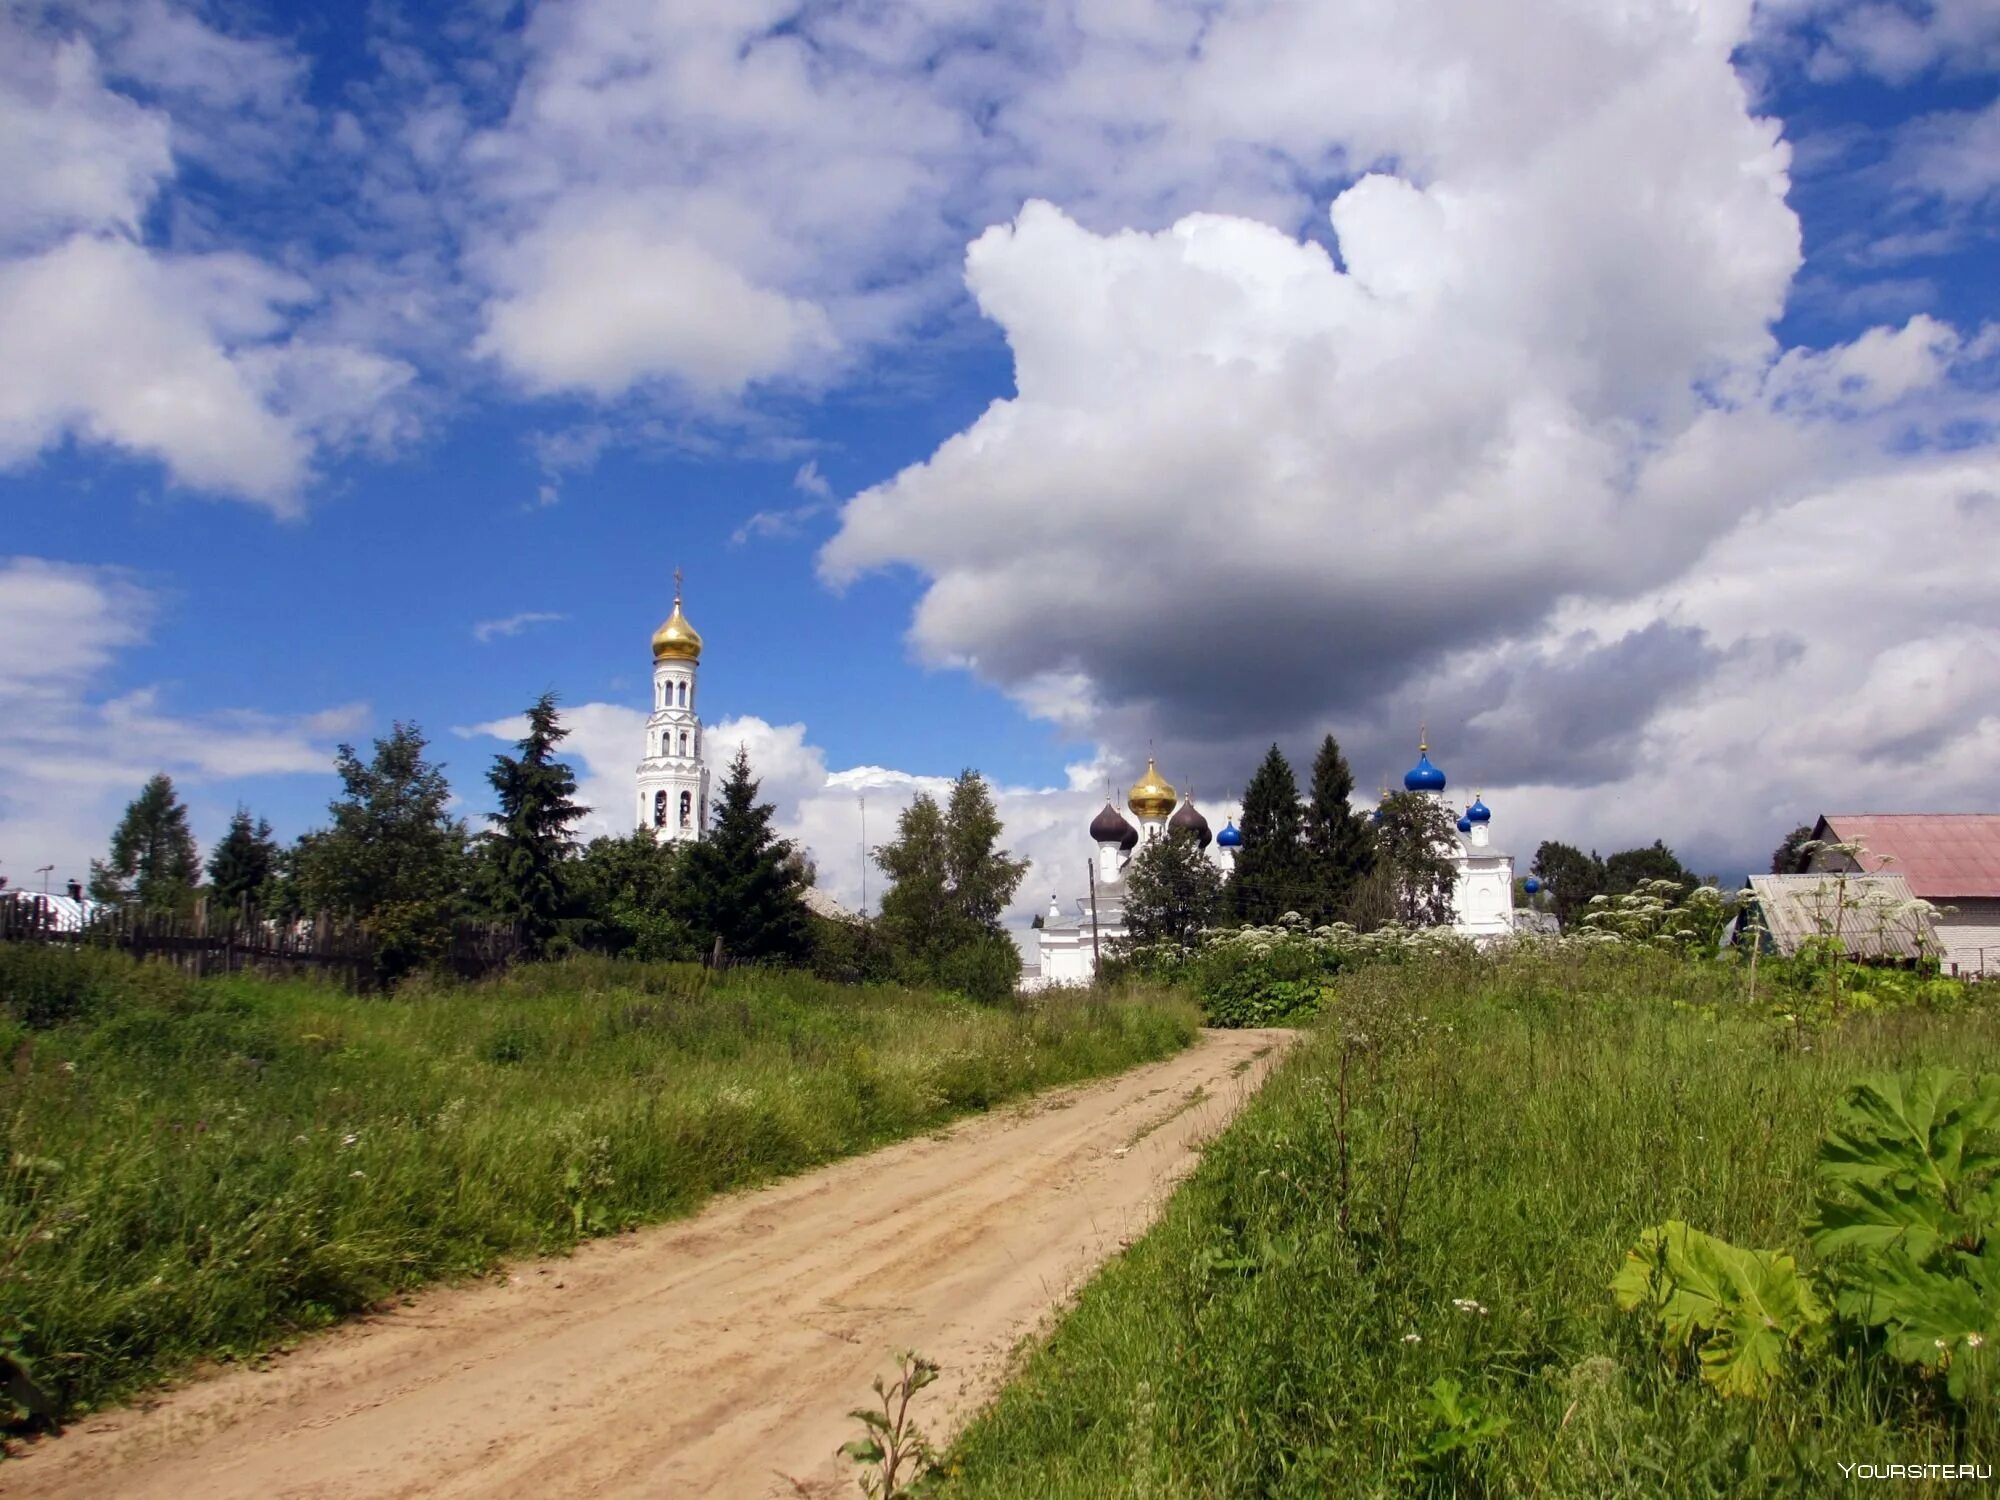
point(1110, 827)
point(1231, 836)
point(1531, 885)
point(1479, 812)
point(1187, 819)
point(1465, 825)
point(1423, 776)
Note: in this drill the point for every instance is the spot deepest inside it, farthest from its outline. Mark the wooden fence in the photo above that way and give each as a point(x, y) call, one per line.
point(204, 944)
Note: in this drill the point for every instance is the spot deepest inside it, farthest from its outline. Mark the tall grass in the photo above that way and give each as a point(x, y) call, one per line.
point(1509, 1130)
point(199, 1168)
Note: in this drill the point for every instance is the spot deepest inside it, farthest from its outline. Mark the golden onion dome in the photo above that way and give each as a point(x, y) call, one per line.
point(677, 640)
point(1151, 797)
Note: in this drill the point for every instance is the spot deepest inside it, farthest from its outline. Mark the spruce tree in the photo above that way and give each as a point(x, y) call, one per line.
point(530, 844)
point(1270, 864)
point(1340, 847)
point(244, 864)
point(742, 885)
point(153, 858)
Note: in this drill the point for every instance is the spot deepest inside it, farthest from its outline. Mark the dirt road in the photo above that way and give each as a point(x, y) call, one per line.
point(713, 1357)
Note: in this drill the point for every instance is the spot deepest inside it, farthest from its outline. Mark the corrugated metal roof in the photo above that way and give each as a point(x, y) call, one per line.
point(1942, 855)
point(820, 904)
point(1869, 914)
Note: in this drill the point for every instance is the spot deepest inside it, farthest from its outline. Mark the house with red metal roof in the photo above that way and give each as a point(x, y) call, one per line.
point(1951, 860)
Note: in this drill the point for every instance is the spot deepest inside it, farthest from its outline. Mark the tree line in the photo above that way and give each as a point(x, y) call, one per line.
point(1312, 854)
point(394, 859)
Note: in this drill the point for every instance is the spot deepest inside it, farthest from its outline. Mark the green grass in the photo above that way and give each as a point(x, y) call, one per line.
point(1512, 1127)
point(198, 1169)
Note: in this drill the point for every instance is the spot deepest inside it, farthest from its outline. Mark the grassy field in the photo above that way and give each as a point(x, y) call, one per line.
point(196, 1169)
point(1510, 1129)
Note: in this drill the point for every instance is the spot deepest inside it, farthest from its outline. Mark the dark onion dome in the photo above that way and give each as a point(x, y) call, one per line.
point(1465, 825)
point(1110, 827)
point(1231, 836)
point(1423, 776)
point(1479, 812)
point(1531, 885)
point(1189, 820)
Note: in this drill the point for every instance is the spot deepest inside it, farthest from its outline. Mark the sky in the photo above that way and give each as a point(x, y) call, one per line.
point(1612, 390)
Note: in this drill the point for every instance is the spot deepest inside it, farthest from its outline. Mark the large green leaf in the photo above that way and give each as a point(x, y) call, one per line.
point(1911, 1165)
point(1944, 1317)
point(1740, 1310)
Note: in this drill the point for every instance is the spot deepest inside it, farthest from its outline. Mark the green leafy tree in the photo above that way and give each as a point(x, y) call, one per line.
point(244, 865)
point(1339, 844)
point(1570, 877)
point(916, 911)
point(1271, 873)
point(1414, 836)
point(153, 858)
point(530, 845)
point(982, 877)
point(1628, 869)
point(1172, 892)
point(742, 884)
point(394, 858)
point(948, 885)
point(627, 896)
point(1791, 857)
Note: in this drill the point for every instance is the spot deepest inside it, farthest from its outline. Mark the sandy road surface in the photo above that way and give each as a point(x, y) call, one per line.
point(716, 1356)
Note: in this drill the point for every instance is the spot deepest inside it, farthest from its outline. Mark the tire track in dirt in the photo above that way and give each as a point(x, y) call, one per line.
point(714, 1356)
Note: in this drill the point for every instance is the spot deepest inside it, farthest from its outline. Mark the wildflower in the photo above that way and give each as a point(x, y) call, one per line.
point(357, 1174)
point(1413, 1338)
point(300, 1140)
point(70, 1066)
point(1468, 1305)
point(1975, 1340)
point(349, 1139)
point(1942, 1343)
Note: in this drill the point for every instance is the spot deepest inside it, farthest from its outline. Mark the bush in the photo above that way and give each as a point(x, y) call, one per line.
point(987, 968)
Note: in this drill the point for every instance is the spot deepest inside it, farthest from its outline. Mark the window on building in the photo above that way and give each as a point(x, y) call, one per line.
point(687, 809)
point(659, 809)
point(684, 742)
point(681, 693)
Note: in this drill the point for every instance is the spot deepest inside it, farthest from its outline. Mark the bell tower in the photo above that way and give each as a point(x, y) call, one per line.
point(673, 778)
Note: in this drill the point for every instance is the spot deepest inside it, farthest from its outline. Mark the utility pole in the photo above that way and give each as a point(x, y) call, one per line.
point(862, 798)
point(1095, 957)
point(43, 871)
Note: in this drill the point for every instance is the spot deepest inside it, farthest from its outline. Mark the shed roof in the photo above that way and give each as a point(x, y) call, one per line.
point(1872, 915)
point(1942, 855)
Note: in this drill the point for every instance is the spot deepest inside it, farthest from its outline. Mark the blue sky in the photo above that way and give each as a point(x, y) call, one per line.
point(1018, 386)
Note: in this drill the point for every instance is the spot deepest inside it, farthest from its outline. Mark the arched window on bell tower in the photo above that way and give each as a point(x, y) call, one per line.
point(659, 809)
point(681, 693)
point(687, 809)
point(684, 742)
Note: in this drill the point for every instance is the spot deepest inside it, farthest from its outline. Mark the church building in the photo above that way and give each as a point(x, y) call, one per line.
point(1071, 943)
point(673, 778)
point(1482, 893)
